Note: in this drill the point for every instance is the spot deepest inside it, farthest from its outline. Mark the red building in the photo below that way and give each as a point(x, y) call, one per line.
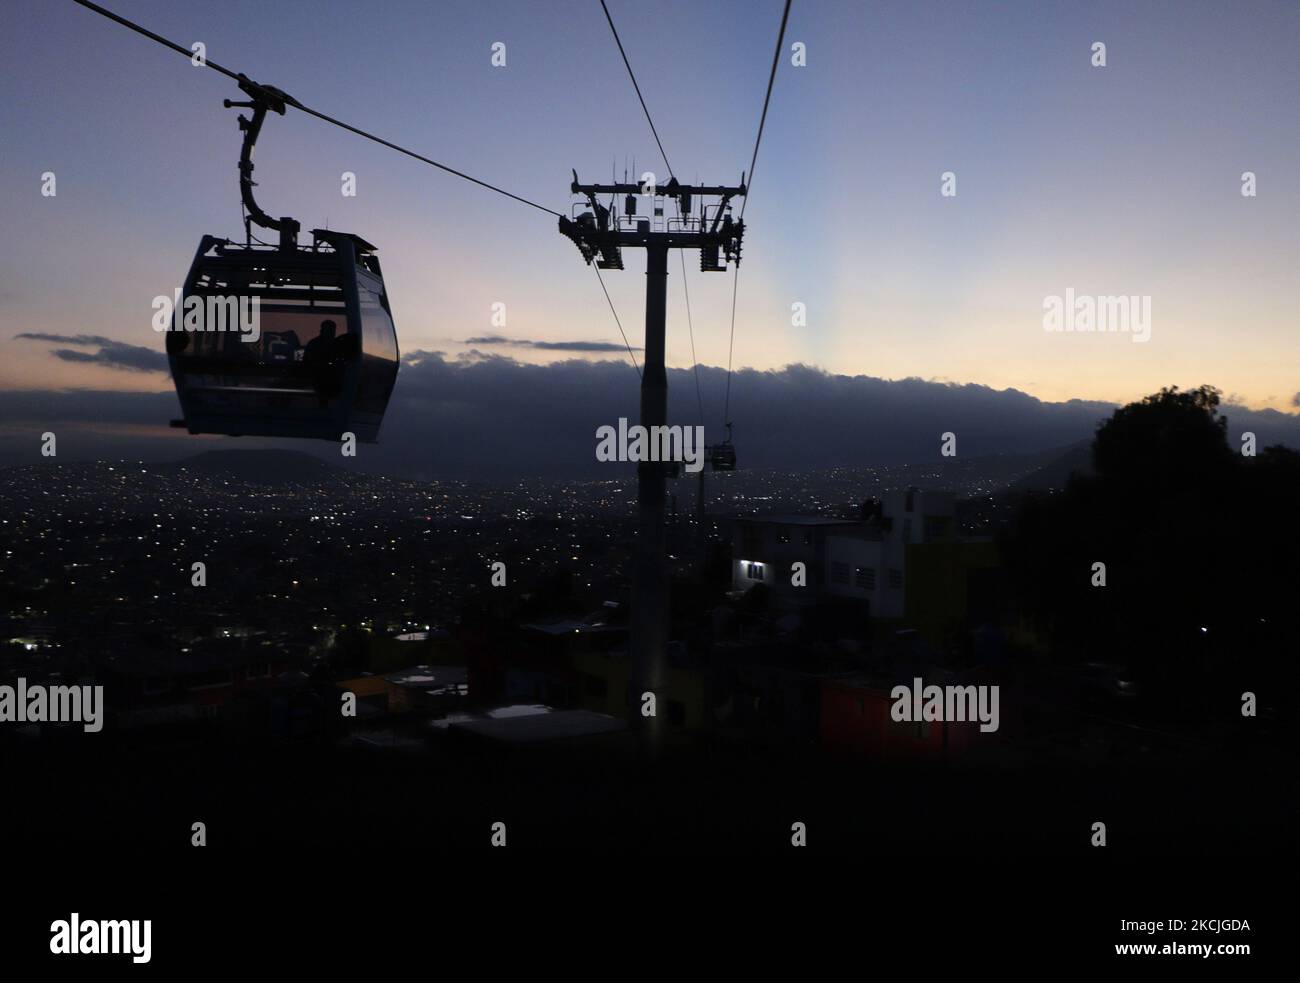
point(856, 718)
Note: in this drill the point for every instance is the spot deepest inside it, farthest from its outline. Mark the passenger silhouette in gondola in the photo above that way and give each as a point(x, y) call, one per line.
point(324, 358)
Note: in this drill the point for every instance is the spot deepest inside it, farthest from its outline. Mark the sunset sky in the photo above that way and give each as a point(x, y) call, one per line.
point(1117, 180)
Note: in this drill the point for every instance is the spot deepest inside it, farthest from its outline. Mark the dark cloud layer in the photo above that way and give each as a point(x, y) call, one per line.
point(549, 346)
point(494, 418)
point(110, 353)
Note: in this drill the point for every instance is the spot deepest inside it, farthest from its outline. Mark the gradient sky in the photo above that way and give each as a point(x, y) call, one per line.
point(1123, 179)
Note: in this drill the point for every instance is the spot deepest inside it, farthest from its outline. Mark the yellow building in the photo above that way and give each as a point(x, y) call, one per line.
point(605, 678)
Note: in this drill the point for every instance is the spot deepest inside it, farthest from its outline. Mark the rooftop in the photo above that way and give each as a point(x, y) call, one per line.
point(429, 677)
point(535, 728)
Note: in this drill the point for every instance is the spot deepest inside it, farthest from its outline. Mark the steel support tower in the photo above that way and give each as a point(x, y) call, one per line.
point(702, 221)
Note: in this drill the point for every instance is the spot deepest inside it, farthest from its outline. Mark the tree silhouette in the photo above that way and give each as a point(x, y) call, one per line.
point(1201, 547)
point(1166, 441)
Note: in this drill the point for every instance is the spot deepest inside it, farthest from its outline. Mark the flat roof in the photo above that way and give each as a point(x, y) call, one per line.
point(426, 676)
point(537, 727)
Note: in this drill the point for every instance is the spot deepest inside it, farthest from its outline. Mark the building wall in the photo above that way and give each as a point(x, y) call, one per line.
point(855, 569)
point(364, 686)
point(388, 654)
point(919, 516)
point(856, 718)
point(938, 585)
point(604, 684)
point(761, 556)
point(854, 560)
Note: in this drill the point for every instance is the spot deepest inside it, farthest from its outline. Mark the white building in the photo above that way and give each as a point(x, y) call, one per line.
point(852, 559)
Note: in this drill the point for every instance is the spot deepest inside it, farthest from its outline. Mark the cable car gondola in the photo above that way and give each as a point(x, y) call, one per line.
point(323, 358)
point(723, 456)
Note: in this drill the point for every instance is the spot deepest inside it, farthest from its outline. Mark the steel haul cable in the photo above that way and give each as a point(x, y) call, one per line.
point(735, 285)
point(616, 320)
point(632, 75)
point(690, 326)
point(290, 101)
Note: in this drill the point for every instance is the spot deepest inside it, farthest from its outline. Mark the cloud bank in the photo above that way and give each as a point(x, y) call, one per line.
point(494, 418)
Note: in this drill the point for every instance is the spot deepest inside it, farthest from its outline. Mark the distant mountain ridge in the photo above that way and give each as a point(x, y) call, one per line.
point(1055, 474)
